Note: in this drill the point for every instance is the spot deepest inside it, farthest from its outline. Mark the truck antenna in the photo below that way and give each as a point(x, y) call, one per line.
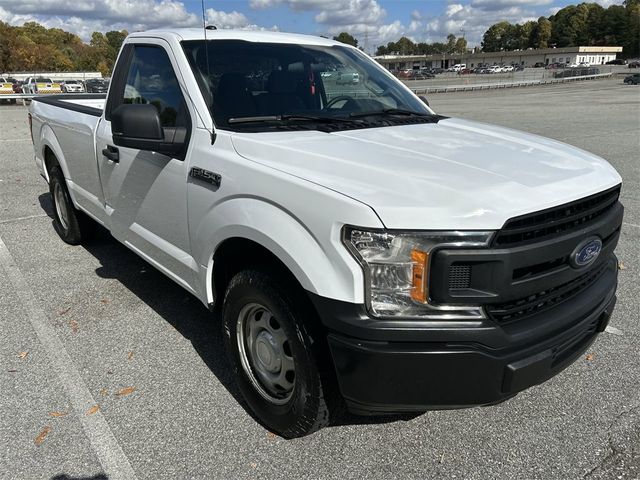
point(206, 56)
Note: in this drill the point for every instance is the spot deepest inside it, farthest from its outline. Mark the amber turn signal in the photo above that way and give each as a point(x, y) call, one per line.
point(419, 290)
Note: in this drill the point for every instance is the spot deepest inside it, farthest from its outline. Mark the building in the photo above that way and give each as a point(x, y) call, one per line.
point(528, 58)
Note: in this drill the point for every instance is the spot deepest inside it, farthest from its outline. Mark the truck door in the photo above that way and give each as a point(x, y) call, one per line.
point(146, 192)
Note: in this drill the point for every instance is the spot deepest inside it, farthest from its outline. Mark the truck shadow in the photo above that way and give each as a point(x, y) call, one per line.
point(181, 310)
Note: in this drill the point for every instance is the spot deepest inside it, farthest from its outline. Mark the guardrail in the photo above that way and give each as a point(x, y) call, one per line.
point(522, 83)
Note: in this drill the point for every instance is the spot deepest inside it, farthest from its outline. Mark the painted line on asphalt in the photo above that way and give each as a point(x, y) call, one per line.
point(20, 219)
point(631, 224)
point(105, 445)
point(26, 139)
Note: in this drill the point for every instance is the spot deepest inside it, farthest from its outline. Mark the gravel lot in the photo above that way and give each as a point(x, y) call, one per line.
point(80, 324)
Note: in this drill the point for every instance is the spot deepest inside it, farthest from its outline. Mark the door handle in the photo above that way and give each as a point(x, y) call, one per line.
point(111, 153)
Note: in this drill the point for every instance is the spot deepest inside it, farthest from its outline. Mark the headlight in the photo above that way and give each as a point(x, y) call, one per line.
point(396, 270)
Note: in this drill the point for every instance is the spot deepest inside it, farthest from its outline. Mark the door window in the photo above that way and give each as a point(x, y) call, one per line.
point(151, 80)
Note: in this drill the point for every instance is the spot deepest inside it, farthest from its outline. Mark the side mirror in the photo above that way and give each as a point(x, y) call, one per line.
point(425, 100)
point(138, 126)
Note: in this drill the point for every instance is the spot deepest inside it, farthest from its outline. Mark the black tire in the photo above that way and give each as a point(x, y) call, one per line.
point(307, 407)
point(73, 226)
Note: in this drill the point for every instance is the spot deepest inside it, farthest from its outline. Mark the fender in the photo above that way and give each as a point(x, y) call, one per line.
point(48, 139)
point(324, 268)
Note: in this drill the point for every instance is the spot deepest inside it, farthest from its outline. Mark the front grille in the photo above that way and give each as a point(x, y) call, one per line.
point(555, 221)
point(459, 276)
point(541, 301)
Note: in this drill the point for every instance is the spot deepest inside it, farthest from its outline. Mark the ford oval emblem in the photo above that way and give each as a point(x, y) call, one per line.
point(586, 252)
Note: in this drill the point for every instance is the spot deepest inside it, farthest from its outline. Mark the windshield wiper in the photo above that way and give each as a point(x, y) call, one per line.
point(289, 117)
point(390, 111)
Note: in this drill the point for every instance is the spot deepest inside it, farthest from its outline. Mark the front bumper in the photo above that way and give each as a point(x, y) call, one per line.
point(400, 366)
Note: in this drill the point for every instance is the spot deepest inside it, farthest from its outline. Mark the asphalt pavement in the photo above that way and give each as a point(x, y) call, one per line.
point(110, 370)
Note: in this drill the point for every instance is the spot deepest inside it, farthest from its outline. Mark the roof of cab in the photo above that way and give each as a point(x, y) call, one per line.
point(227, 34)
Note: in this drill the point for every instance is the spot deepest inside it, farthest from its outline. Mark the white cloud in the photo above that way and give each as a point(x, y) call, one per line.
point(86, 16)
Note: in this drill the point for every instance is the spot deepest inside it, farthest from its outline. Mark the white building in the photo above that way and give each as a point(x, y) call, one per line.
point(528, 58)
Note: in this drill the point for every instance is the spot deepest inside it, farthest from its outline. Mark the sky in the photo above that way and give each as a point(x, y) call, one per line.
point(372, 22)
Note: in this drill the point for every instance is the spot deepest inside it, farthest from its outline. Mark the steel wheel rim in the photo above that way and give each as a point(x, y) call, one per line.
point(265, 353)
point(61, 206)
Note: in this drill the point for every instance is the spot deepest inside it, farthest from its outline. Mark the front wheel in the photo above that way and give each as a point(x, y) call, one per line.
point(276, 357)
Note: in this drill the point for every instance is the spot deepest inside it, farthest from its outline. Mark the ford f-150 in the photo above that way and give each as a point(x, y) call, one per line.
point(361, 250)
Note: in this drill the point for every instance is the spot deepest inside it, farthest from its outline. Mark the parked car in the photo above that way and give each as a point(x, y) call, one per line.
point(436, 70)
point(518, 68)
point(632, 79)
point(465, 71)
point(96, 85)
point(494, 69)
point(6, 88)
point(539, 65)
point(72, 86)
point(555, 65)
point(617, 61)
point(457, 67)
point(356, 255)
point(348, 77)
point(17, 86)
point(40, 85)
point(635, 64)
point(481, 69)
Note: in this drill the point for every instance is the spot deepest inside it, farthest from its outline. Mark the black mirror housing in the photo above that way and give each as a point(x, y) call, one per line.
point(138, 126)
point(425, 100)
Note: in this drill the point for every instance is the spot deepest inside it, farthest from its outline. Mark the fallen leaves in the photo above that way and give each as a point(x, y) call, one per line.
point(125, 391)
point(23, 354)
point(57, 414)
point(93, 410)
point(62, 312)
point(621, 266)
point(104, 392)
point(74, 326)
point(271, 435)
point(589, 357)
point(42, 435)
point(129, 355)
point(104, 301)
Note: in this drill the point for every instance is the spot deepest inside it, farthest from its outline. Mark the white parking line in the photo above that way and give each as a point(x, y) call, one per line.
point(113, 460)
point(19, 219)
point(27, 139)
point(631, 224)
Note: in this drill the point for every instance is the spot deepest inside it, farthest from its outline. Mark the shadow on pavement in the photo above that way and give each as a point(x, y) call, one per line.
point(182, 310)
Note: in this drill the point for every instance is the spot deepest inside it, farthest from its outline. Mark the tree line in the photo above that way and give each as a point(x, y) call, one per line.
point(32, 47)
point(574, 25)
point(571, 26)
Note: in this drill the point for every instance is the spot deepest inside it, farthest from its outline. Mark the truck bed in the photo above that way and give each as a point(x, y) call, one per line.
point(91, 104)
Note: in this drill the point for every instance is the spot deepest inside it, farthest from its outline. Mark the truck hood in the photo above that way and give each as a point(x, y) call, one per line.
point(454, 174)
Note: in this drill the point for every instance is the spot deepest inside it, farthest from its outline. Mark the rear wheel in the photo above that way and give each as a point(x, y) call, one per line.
point(73, 226)
point(276, 356)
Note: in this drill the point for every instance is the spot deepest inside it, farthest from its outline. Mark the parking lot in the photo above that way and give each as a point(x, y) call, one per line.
point(110, 370)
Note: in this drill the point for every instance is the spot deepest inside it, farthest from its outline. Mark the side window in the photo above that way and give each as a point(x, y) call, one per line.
point(151, 80)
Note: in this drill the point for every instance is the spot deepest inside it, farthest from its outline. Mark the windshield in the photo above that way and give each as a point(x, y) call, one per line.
point(254, 81)
point(43, 80)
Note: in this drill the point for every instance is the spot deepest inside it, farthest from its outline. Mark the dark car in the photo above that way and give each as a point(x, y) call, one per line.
point(635, 64)
point(465, 71)
point(436, 70)
point(538, 65)
point(632, 79)
point(518, 68)
point(96, 85)
point(17, 86)
point(617, 61)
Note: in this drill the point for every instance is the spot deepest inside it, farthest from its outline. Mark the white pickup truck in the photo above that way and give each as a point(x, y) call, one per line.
point(362, 250)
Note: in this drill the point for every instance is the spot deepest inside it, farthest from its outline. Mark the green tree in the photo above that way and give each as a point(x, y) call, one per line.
point(494, 38)
point(542, 33)
point(344, 37)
